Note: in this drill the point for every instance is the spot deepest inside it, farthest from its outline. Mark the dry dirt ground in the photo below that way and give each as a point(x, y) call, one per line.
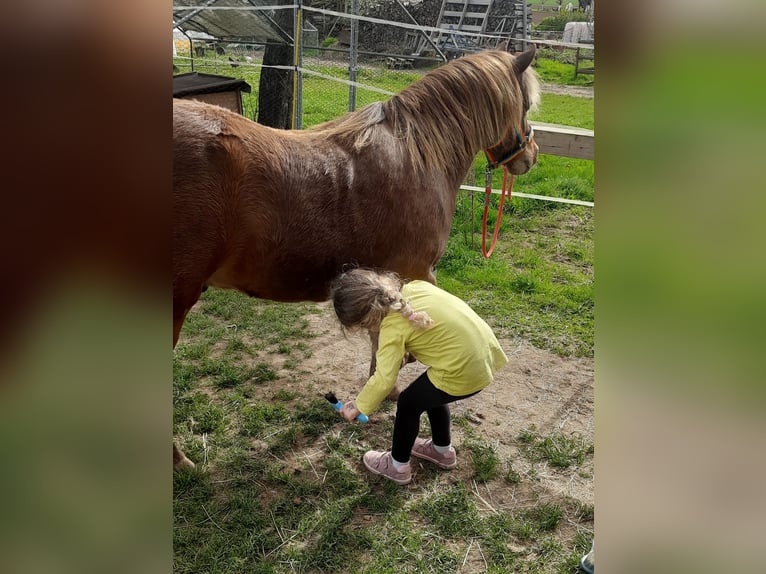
point(536, 390)
point(562, 90)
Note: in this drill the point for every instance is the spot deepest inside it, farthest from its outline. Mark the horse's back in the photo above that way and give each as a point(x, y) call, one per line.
point(278, 213)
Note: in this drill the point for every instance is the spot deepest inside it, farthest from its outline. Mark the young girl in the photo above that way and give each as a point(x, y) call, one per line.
point(440, 331)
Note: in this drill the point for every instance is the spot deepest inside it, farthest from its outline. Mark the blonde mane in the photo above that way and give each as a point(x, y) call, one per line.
point(461, 107)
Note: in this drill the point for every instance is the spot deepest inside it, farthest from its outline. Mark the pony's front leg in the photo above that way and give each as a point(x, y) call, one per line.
point(374, 338)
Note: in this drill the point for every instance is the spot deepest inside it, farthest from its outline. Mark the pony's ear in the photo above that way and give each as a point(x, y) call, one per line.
point(523, 60)
point(503, 46)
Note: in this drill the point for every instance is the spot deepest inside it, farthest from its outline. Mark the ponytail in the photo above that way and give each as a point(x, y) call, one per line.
point(418, 319)
point(362, 298)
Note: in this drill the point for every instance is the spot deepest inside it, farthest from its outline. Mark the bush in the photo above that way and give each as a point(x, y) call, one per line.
point(329, 41)
point(557, 23)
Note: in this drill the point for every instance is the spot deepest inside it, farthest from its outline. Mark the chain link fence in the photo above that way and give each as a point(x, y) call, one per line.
point(330, 85)
point(345, 62)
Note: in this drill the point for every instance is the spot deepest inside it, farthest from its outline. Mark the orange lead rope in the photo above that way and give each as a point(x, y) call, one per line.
point(507, 185)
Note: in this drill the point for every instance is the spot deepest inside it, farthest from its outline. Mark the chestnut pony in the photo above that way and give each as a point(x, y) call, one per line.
point(277, 214)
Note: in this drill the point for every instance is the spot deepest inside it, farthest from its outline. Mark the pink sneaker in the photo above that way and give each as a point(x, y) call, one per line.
point(380, 463)
point(423, 448)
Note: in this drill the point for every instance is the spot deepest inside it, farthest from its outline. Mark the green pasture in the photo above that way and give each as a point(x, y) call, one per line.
point(278, 488)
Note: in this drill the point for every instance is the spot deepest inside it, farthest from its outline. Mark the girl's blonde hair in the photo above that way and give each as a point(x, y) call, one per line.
point(362, 298)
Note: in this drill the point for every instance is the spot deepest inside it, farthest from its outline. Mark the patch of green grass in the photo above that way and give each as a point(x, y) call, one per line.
point(194, 350)
point(192, 487)
point(523, 530)
point(225, 372)
point(332, 543)
point(451, 512)
point(545, 517)
point(553, 176)
point(236, 345)
point(397, 546)
point(228, 314)
point(495, 540)
point(315, 417)
point(200, 412)
point(199, 324)
point(341, 441)
point(283, 441)
point(383, 498)
point(257, 417)
point(548, 549)
point(291, 364)
point(511, 475)
point(184, 376)
point(555, 71)
point(262, 373)
point(558, 450)
point(340, 479)
point(584, 512)
point(284, 395)
point(565, 110)
point(484, 459)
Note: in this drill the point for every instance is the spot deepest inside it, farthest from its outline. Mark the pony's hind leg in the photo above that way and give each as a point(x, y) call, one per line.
point(179, 459)
point(179, 315)
point(374, 338)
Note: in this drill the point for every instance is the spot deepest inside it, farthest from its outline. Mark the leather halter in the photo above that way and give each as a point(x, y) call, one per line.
point(521, 144)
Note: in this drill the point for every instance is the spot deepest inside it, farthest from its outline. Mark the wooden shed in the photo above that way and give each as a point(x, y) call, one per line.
point(212, 89)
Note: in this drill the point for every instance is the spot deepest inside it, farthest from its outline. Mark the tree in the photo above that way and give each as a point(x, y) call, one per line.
point(275, 91)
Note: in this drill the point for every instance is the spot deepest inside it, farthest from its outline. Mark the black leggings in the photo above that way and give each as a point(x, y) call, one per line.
point(421, 396)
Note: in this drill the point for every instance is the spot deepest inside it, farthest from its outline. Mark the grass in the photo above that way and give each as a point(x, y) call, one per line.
point(538, 285)
point(280, 486)
point(565, 110)
point(559, 68)
point(558, 450)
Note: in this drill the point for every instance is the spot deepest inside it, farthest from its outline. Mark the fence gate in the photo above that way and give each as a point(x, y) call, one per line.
point(459, 16)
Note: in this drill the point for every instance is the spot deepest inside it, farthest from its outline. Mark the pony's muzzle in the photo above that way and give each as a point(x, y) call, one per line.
point(525, 161)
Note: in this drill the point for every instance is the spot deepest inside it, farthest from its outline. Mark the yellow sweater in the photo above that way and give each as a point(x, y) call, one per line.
point(460, 349)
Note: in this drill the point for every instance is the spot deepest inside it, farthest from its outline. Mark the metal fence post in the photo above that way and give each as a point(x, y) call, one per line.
point(524, 20)
point(297, 66)
point(352, 56)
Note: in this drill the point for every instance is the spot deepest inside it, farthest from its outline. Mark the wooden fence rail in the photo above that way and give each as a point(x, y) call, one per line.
point(565, 141)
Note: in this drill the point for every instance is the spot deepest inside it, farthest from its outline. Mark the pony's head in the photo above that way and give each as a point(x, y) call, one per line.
point(517, 149)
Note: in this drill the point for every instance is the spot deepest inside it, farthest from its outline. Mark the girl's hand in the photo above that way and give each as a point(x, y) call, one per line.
point(349, 411)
